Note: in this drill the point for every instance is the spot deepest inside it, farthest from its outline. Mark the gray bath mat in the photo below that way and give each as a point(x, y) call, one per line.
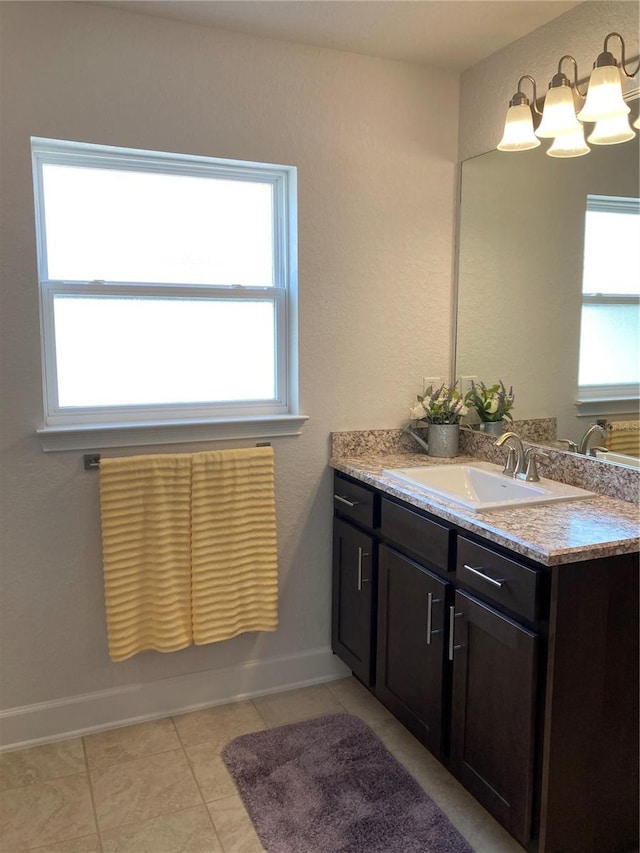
point(329, 785)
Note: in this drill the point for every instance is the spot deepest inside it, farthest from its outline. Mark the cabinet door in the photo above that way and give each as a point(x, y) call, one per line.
point(410, 651)
point(353, 599)
point(493, 711)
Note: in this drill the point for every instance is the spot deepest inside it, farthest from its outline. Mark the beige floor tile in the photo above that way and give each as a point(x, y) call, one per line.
point(358, 700)
point(219, 724)
point(89, 844)
point(397, 739)
point(210, 771)
point(281, 708)
point(188, 831)
point(41, 763)
point(487, 836)
point(234, 827)
point(45, 813)
point(144, 788)
point(129, 742)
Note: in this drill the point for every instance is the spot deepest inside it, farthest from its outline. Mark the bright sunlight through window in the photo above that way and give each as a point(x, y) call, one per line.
point(166, 283)
point(610, 328)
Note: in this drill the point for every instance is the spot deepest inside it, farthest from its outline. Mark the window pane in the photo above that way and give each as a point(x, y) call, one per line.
point(119, 351)
point(609, 345)
point(144, 226)
point(611, 252)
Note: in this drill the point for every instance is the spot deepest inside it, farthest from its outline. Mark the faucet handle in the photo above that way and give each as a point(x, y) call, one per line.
point(531, 471)
point(592, 450)
point(510, 464)
point(571, 445)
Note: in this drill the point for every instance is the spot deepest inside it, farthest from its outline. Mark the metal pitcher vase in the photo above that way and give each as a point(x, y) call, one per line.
point(443, 440)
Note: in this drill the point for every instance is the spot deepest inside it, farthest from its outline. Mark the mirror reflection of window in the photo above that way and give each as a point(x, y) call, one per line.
point(610, 322)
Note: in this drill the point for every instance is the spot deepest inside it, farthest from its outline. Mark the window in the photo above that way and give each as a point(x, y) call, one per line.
point(167, 287)
point(610, 327)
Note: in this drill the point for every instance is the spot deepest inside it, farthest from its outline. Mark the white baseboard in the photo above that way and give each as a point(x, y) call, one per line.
point(74, 716)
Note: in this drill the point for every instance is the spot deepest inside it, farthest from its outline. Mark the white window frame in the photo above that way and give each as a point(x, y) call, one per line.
point(609, 399)
point(77, 427)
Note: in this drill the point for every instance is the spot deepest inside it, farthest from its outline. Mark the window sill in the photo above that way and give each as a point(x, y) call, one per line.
point(607, 406)
point(95, 436)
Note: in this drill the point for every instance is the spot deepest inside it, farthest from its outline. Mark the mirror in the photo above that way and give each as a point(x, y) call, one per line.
point(519, 295)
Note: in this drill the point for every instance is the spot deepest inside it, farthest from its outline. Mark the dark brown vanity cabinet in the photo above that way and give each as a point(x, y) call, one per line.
point(412, 674)
point(493, 711)
point(521, 678)
point(495, 680)
point(410, 677)
point(354, 586)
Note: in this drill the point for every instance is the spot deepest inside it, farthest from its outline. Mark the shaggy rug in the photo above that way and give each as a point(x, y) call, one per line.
point(329, 785)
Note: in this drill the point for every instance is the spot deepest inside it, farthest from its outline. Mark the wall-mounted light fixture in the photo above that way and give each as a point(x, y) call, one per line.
point(566, 111)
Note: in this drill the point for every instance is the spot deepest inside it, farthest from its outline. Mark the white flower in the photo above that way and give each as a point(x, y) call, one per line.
point(492, 404)
point(461, 409)
point(418, 412)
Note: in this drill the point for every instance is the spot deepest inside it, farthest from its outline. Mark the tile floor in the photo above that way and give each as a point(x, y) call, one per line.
point(161, 787)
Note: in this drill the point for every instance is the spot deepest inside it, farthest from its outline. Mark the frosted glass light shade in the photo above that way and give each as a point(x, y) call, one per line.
point(559, 114)
point(604, 96)
point(569, 144)
point(611, 131)
point(518, 130)
point(637, 123)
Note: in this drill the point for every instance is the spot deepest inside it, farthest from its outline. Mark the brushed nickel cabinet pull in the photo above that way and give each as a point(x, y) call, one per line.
point(430, 602)
point(361, 555)
point(345, 501)
point(452, 617)
point(486, 578)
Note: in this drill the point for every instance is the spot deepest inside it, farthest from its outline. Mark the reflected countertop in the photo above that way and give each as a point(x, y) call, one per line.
point(550, 534)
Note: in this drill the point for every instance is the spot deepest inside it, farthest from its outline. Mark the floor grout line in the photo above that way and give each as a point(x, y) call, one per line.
point(472, 824)
point(92, 795)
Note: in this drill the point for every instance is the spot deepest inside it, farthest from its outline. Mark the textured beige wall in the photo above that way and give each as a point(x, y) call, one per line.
point(375, 145)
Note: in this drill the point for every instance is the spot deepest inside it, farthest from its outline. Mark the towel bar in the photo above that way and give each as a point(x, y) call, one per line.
point(92, 460)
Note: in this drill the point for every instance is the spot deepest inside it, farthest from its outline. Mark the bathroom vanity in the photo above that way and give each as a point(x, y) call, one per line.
point(505, 641)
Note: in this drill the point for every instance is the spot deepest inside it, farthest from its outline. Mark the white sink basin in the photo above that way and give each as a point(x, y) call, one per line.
point(481, 486)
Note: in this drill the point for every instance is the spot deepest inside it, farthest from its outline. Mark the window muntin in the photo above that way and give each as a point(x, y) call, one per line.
point(610, 323)
point(155, 304)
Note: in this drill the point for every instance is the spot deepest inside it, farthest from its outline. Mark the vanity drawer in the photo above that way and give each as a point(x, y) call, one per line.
point(498, 578)
point(353, 501)
point(418, 535)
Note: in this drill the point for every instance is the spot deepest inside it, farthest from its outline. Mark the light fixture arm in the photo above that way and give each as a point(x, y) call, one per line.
point(607, 58)
point(561, 79)
point(521, 98)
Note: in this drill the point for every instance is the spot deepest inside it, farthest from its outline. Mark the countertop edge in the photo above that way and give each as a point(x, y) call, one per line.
point(497, 526)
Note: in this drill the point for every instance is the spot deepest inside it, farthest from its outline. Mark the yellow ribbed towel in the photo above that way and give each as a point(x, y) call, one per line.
point(624, 437)
point(145, 505)
point(233, 544)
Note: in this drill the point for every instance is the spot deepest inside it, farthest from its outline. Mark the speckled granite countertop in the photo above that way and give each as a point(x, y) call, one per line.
point(550, 534)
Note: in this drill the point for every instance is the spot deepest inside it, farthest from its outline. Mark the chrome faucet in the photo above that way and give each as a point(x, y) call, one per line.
point(584, 441)
point(513, 467)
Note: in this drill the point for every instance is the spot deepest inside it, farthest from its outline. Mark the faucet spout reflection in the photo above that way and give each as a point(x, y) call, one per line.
point(583, 447)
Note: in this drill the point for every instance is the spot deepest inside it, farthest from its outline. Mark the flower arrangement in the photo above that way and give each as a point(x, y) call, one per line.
point(491, 402)
point(443, 405)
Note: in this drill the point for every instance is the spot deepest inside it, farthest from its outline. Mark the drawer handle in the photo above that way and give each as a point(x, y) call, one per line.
point(486, 578)
point(452, 618)
point(345, 501)
point(361, 555)
point(430, 602)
